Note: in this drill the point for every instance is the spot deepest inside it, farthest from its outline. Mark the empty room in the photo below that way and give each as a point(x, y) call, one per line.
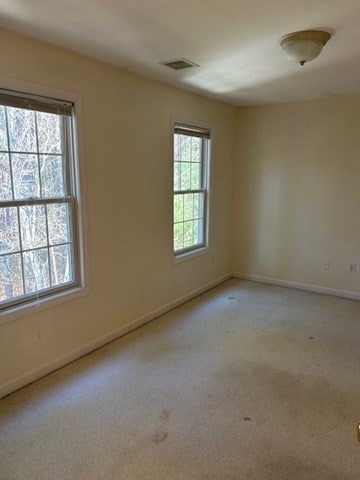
point(179, 240)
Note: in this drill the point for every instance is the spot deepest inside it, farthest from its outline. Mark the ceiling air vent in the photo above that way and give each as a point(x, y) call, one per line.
point(180, 64)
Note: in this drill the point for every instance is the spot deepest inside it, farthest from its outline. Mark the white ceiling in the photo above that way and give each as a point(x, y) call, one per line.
point(233, 41)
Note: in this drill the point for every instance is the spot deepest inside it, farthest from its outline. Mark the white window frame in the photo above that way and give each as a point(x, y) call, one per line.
point(57, 296)
point(205, 133)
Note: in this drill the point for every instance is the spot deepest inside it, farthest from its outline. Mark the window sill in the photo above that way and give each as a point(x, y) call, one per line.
point(190, 255)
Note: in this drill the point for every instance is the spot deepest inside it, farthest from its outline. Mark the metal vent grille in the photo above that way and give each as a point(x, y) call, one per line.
point(180, 64)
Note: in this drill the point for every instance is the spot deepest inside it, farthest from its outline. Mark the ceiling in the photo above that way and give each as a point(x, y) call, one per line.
point(233, 41)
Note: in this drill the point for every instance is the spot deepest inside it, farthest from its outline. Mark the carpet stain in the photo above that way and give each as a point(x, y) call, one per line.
point(299, 399)
point(247, 419)
point(160, 437)
point(165, 414)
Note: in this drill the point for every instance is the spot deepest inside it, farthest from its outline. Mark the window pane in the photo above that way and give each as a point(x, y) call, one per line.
point(195, 149)
point(177, 148)
point(49, 132)
point(21, 124)
point(185, 176)
point(177, 173)
point(198, 232)
point(26, 176)
point(9, 230)
point(36, 270)
point(52, 176)
point(178, 236)
point(33, 226)
point(178, 208)
point(3, 132)
point(188, 206)
point(58, 223)
point(198, 205)
point(195, 176)
point(185, 150)
point(188, 234)
point(5, 177)
point(61, 264)
point(11, 284)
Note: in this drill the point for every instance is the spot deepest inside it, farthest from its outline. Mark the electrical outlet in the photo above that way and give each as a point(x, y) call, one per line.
point(326, 265)
point(352, 267)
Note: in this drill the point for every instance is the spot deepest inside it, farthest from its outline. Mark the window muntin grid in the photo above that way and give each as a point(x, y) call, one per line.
point(37, 205)
point(190, 189)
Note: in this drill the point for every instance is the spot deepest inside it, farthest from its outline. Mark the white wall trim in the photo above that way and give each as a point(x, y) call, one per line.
point(41, 371)
point(299, 286)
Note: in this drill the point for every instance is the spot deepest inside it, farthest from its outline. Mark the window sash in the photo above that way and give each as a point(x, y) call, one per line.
point(199, 190)
point(30, 297)
point(34, 201)
point(52, 290)
point(198, 245)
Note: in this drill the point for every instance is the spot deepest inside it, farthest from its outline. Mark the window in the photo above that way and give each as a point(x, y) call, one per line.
point(190, 188)
point(38, 234)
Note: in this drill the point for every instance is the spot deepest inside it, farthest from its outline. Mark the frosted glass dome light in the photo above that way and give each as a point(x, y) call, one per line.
point(304, 46)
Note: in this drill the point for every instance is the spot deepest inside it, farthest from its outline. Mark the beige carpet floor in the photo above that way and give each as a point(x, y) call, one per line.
point(247, 381)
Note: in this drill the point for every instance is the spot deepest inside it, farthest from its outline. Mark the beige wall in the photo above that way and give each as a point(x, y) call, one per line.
point(127, 152)
point(298, 193)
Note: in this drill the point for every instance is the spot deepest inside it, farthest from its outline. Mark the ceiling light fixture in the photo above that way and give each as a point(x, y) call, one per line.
point(301, 47)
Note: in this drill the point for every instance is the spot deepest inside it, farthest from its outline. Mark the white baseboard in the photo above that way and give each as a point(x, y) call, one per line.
point(299, 286)
point(35, 374)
